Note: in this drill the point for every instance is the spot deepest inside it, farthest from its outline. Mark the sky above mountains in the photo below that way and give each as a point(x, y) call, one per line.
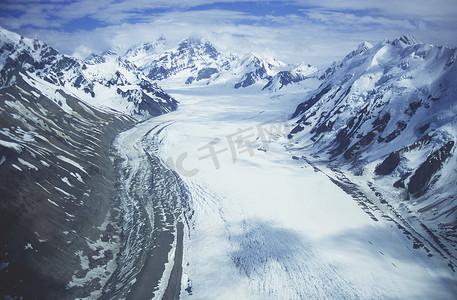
point(310, 31)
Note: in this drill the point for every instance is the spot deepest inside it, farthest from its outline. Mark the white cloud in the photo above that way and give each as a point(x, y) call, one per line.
point(351, 21)
point(315, 35)
point(436, 10)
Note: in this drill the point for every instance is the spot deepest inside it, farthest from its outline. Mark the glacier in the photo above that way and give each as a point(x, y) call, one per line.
point(272, 225)
point(268, 181)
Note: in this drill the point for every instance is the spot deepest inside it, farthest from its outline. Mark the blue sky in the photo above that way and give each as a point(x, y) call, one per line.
point(312, 31)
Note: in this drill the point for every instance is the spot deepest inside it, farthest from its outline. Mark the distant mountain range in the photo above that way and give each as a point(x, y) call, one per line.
point(198, 62)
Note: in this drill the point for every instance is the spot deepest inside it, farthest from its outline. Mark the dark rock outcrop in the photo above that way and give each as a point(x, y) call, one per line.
point(420, 180)
point(56, 191)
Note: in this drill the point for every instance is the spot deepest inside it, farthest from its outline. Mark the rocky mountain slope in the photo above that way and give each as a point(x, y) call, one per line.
point(389, 114)
point(59, 213)
point(57, 191)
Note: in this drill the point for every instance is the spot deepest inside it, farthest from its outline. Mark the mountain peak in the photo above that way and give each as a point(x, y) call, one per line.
point(192, 41)
point(192, 44)
point(146, 51)
point(364, 47)
point(256, 58)
point(9, 36)
point(361, 49)
point(405, 40)
point(111, 52)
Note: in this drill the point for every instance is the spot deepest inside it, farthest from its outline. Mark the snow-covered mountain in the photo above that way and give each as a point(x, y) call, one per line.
point(192, 60)
point(196, 61)
point(104, 81)
point(297, 74)
point(255, 69)
point(142, 54)
point(388, 112)
point(59, 116)
point(90, 210)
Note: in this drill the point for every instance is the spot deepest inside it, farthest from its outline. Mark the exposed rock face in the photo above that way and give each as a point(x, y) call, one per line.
point(283, 78)
point(421, 178)
point(389, 164)
point(57, 191)
point(204, 73)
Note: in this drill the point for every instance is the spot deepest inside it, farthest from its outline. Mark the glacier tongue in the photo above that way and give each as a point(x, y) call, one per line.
point(265, 225)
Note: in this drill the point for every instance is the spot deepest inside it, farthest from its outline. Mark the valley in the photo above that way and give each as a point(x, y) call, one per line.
point(272, 224)
point(176, 171)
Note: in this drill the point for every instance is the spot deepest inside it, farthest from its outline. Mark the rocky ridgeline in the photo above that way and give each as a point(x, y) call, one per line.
point(388, 112)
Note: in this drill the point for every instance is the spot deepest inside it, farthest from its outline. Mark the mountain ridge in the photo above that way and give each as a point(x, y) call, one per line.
point(197, 61)
point(388, 114)
point(135, 96)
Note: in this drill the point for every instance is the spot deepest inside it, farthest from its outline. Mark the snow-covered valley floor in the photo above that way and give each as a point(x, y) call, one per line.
point(263, 225)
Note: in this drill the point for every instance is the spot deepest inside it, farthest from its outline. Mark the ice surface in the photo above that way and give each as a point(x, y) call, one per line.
point(266, 226)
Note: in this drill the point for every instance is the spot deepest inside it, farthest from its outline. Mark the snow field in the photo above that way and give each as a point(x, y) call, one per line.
point(266, 226)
